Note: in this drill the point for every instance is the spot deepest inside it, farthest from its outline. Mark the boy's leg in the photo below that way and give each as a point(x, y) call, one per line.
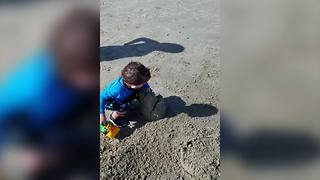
point(117, 114)
point(117, 111)
point(116, 118)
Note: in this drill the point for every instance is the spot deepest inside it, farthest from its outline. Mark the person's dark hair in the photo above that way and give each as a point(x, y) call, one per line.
point(76, 36)
point(135, 73)
point(74, 46)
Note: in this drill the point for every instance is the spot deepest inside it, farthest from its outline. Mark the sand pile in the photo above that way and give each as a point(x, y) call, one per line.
point(172, 148)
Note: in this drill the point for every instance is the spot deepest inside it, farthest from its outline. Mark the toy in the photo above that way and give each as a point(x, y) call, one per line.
point(110, 130)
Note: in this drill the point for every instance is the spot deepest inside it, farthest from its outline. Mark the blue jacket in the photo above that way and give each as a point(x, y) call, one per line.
point(116, 92)
point(36, 91)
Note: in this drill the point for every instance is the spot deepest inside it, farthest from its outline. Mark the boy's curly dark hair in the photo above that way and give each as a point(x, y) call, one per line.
point(135, 73)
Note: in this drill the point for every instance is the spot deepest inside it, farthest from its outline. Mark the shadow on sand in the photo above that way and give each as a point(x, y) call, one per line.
point(268, 147)
point(175, 107)
point(138, 47)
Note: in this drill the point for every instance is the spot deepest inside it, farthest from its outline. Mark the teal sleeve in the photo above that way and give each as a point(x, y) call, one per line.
point(103, 99)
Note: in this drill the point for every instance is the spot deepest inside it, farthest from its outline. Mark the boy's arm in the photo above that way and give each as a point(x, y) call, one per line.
point(107, 95)
point(102, 103)
point(104, 97)
point(103, 100)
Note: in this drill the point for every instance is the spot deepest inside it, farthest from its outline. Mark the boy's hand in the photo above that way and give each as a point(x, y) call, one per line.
point(102, 118)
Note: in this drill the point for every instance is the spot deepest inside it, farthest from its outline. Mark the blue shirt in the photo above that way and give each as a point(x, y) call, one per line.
point(36, 91)
point(117, 92)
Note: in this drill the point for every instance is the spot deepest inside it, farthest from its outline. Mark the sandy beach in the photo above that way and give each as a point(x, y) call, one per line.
point(179, 42)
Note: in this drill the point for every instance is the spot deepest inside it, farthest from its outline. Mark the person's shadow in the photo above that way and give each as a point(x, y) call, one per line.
point(175, 106)
point(136, 48)
point(268, 148)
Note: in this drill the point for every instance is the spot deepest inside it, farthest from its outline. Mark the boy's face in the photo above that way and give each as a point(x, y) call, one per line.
point(132, 86)
point(78, 66)
point(77, 55)
point(82, 78)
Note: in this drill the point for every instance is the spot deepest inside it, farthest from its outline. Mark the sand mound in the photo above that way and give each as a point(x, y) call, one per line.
point(167, 149)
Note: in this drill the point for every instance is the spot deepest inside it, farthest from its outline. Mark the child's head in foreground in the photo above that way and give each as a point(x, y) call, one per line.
point(135, 75)
point(75, 45)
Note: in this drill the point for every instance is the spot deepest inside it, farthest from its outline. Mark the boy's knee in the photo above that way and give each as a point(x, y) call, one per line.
point(120, 113)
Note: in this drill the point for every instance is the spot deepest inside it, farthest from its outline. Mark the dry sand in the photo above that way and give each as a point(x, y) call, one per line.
point(181, 50)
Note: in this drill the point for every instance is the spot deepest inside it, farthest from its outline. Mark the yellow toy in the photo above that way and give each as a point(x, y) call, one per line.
point(110, 130)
